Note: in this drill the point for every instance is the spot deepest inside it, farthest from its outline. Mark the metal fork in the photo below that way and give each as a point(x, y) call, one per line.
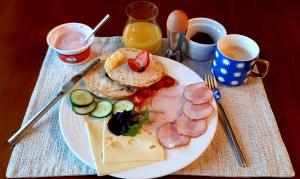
point(212, 83)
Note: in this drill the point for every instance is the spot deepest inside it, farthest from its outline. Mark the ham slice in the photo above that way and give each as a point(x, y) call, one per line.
point(197, 111)
point(177, 113)
point(171, 91)
point(168, 102)
point(198, 93)
point(169, 138)
point(191, 128)
point(155, 122)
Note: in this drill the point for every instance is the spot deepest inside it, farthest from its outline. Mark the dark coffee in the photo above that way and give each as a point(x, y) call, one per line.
point(202, 38)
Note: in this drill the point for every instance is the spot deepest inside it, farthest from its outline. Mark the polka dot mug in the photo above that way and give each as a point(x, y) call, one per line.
point(234, 60)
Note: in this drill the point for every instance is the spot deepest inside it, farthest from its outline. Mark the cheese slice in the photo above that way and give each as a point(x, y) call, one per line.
point(142, 147)
point(95, 135)
point(113, 61)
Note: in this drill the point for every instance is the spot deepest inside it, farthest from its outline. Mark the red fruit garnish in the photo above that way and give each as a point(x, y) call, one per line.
point(143, 59)
point(136, 99)
point(158, 85)
point(145, 93)
point(133, 65)
point(168, 81)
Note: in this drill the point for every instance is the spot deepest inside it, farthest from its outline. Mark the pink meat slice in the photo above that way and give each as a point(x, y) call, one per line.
point(197, 111)
point(155, 122)
point(191, 128)
point(168, 102)
point(169, 138)
point(198, 93)
point(171, 91)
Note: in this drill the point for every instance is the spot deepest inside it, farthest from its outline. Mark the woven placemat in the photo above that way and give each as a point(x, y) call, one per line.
point(43, 151)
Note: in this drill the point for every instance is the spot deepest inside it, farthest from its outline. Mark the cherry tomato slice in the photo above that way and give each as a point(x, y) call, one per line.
point(168, 81)
point(146, 92)
point(158, 85)
point(136, 99)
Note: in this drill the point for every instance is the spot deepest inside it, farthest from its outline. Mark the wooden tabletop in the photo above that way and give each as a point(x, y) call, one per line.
point(274, 25)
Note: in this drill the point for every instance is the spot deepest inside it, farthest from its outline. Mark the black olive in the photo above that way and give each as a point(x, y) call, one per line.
point(117, 127)
point(118, 124)
point(123, 115)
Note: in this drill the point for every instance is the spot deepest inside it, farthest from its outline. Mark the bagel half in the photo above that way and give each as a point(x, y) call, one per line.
point(125, 76)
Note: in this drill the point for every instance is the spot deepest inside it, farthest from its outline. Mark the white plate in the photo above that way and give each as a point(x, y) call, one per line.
point(74, 132)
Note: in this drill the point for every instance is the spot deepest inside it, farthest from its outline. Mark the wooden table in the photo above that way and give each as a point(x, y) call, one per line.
point(24, 25)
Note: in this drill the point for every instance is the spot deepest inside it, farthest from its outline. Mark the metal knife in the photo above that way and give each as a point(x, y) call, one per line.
point(66, 87)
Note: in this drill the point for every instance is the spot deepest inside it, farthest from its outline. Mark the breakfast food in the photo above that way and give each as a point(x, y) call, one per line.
point(140, 63)
point(121, 138)
point(142, 147)
point(70, 41)
point(198, 93)
point(177, 21)
point(156, 122)
point(136, 129)
point(112, 153)
point(101, 85)
point(139, 97)
point(169, 137)
point(177, 119)
point(95, 134)
point(124, 75)
point(191, 128)
point(167, 97)
point(197, 111)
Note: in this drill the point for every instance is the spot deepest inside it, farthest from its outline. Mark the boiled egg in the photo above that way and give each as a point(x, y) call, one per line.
point(177, 21)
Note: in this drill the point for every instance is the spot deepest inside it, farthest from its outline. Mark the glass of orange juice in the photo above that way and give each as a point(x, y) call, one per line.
point(141, 30)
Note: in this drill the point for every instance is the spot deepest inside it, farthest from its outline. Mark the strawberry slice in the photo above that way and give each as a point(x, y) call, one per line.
point(140, 63)
point(143, 59)
point(133, 65)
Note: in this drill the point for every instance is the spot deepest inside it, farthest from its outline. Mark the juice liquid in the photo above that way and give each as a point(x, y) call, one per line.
point(142, 35)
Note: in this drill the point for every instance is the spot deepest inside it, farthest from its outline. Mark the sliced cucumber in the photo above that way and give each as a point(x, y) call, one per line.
point(104, 118)
point(123, 105)
point(80, 98)
point(86, 109)
point(103, 109)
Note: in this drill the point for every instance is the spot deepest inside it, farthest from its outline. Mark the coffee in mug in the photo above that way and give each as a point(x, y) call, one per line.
point(236, 52)
point(234, 60)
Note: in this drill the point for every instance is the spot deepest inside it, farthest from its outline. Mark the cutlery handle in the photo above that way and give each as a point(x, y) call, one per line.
point(231, 136)
point(98, 26)
point(19, 134)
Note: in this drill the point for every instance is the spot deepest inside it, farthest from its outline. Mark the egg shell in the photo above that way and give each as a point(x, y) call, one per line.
point(177, 21)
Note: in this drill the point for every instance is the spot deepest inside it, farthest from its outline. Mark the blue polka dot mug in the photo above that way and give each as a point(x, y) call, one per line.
point(234, 59)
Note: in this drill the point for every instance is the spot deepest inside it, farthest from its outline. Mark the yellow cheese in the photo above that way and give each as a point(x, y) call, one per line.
point(142, 147)
point(116, 59)
point(95, 135)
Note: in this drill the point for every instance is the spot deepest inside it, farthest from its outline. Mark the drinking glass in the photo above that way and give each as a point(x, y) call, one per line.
point(141, 30)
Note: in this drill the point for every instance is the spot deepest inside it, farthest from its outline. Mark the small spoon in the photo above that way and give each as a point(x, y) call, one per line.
point(98, 26)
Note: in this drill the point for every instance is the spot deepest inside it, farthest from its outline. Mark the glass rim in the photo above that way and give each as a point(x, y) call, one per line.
point(145, 2)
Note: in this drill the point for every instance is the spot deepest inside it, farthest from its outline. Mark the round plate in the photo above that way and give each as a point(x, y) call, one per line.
point(74, 132)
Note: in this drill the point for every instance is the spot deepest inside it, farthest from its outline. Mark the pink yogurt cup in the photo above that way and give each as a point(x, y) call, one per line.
point(73, 56)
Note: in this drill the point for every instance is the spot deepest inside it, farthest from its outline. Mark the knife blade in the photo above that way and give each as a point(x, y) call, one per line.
point(65, 88)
